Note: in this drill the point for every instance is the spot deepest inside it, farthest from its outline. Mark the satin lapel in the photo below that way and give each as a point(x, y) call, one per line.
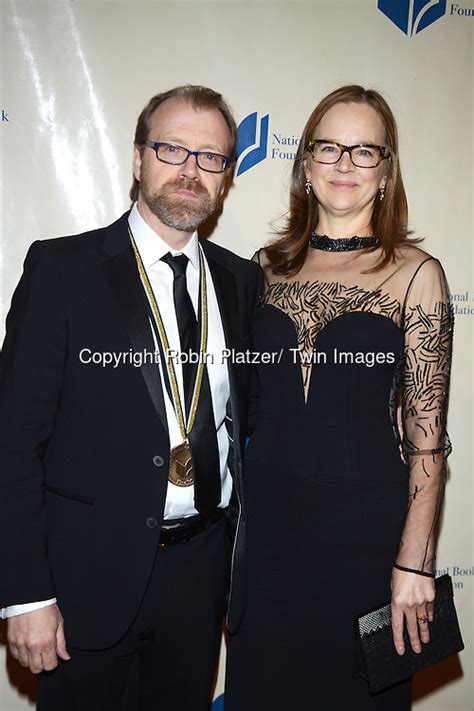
point(122, 274)
point(227, 300)
point(226, 293)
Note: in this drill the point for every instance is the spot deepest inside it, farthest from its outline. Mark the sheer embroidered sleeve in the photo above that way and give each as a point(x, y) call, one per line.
point(427, 322)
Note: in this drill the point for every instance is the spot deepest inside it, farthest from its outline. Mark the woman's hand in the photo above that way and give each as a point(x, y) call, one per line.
point(412, 599)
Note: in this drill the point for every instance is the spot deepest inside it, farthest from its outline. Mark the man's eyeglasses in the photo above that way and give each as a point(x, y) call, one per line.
point(362, 156)
point(178, 155)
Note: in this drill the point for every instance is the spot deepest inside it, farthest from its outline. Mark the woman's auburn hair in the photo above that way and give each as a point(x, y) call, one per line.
point(389, 222)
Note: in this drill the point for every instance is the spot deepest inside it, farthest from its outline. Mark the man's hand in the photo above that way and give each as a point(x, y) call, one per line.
point(37, 639)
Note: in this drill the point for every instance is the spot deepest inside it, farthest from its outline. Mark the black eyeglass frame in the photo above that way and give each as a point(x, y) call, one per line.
point(383, 152)
point(156, 145)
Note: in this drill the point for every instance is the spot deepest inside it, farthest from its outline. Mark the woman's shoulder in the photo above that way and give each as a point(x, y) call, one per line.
point(261, 258)
point(425, 279)
point(413, 258)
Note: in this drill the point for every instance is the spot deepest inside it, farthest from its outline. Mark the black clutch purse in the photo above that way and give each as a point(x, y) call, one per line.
point(378, 661)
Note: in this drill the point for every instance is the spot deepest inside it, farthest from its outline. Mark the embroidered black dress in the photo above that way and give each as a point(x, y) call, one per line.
point(344, 472)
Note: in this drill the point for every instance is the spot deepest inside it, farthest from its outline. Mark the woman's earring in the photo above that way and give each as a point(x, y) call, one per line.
point(308, 187)
point(382, 193)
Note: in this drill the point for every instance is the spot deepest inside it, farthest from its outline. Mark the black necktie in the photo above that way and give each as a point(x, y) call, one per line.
point(202, 438)
point(187, 324)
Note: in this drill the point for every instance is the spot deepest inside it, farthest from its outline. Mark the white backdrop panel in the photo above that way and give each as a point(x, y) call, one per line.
point(76, 73)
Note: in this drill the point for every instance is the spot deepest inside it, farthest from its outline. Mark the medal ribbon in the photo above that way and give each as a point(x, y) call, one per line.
point(184, 427)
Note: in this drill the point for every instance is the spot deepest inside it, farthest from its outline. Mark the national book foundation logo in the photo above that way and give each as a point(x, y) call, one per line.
point(256, 143)
point(218, 704)
point(412, 16)
point(252, 142)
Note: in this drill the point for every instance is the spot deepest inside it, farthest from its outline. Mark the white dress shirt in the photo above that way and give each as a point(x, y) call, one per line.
point(179, 500)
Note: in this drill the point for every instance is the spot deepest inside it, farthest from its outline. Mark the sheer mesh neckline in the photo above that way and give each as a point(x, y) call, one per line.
point(311, 306)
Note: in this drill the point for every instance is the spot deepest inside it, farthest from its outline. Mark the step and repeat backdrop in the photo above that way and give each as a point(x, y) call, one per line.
point(75, 75)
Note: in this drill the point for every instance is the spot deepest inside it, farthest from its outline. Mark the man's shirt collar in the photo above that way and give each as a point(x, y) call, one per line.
point(152, 247)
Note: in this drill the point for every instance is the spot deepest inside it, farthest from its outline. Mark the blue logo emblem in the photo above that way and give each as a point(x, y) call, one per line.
point(251, 143)
point(412, 16)
point(218, 704)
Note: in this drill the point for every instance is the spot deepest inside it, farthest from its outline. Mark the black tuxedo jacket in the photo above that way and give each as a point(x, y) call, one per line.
point(84, 449)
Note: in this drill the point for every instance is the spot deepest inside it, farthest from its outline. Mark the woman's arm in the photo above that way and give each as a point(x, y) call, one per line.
point(428, 327)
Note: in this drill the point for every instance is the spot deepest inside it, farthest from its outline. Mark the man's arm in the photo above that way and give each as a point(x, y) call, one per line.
point(31, 376)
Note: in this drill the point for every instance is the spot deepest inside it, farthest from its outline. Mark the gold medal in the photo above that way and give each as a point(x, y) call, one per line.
point(181, 470)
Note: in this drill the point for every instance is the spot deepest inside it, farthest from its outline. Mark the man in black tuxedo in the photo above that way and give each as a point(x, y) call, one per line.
point(120, 455)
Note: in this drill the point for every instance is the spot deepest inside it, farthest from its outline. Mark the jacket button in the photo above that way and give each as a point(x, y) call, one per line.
point(151, 522)
point(158, 461)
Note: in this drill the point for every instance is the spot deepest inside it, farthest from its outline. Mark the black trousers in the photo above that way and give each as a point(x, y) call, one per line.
point(167, 659)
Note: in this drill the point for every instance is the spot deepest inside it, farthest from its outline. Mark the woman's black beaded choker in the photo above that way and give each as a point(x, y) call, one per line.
point(344, 244)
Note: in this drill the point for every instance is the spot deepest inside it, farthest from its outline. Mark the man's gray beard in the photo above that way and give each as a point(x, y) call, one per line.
point(182, 214)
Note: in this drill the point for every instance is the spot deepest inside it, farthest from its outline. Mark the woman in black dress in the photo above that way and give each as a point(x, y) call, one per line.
point(346, 465)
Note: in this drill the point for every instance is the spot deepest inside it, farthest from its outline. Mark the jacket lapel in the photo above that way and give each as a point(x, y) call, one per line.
point(226, 294)
point(122, 275)
point(227, 300)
